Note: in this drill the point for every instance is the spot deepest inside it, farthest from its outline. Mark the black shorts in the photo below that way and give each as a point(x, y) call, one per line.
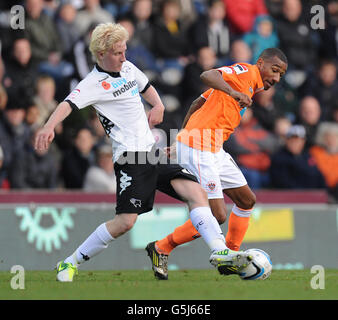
point(135, 186)
point(168, 172)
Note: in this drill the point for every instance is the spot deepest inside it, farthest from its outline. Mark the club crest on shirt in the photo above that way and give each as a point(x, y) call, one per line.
point(74, 93)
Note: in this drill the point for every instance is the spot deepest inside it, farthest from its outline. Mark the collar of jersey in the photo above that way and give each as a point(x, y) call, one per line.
point(112, 74)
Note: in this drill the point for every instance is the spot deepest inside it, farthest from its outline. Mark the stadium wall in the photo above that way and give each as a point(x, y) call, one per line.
point(297, 229)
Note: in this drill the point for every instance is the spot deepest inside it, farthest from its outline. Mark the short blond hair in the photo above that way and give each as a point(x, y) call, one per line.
point(104, 36)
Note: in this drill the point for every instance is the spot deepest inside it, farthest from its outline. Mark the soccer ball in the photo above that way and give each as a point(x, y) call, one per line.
point(259, 268)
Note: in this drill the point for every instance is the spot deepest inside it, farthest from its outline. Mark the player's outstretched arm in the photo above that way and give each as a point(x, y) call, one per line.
point(46, 134)
point(213, 78)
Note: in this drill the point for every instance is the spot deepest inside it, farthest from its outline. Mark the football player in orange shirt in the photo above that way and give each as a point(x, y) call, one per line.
point(209, 122)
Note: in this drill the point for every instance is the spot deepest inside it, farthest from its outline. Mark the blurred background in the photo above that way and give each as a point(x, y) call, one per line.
point(288, 140)
point(172, 41)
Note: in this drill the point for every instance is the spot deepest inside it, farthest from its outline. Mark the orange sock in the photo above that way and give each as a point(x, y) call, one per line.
point(237, 227)
point(182, 234)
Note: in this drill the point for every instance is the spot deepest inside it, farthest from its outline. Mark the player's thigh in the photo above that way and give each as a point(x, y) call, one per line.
point(191, 192)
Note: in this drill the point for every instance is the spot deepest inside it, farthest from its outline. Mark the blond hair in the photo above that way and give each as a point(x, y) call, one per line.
point(104, 36)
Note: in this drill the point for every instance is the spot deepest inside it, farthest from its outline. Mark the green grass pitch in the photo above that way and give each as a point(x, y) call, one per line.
point(182, 285)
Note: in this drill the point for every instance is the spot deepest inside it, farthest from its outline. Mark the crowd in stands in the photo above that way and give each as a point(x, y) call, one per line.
point(287, 140)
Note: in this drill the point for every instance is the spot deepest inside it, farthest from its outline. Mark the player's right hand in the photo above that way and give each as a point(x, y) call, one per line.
point(242, 99)
point(43, 138)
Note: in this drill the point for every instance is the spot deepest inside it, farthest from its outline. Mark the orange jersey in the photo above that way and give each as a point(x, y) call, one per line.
point(212, 124)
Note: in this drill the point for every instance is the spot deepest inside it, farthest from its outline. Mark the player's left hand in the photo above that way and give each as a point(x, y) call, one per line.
point(155, 116)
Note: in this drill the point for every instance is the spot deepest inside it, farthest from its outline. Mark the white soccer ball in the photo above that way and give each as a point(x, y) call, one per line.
point(259, 268)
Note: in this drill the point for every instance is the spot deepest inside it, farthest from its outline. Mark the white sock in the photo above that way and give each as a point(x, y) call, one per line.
point(207, 225)
point(92, 246)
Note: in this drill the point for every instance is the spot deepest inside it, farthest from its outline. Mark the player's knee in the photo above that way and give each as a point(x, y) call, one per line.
point(126, 224)
point(221, 216)
point(222, 219)
point(247, 203)
point(198, 198)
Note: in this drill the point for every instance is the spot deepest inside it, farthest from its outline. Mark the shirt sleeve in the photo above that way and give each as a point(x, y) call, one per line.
point(141, 79)
point(206, 94)
point(83, 95)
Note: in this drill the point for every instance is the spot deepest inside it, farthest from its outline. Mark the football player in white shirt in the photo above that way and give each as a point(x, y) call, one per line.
point(113, 88)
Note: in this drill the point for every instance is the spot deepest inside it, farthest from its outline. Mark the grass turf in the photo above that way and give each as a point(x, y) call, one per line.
point(182, 285)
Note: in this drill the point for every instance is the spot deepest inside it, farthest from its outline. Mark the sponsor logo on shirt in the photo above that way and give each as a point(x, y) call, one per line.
point(124, 88)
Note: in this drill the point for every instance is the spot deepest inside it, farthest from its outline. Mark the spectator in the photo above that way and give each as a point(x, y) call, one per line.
point(45, 42)
point(212, 31)
point(324, 86)
point(14, 132)
point(78, 159)
point(262, 36)
point(192, 84)
point(286, 99)
point(45, 97)
point(141, 16)
point(325, 152)
point(32, 116)
point(292, 167)
point(81, 57)
point(296, 41)
point(265, 110)
point(329, 40)
point(101, 177)
point(170, 40)
point(281, 128)
point(41, 33)
point(50, 7)
point(33, 169)
point(242, 14)
point(188, 12)
point(138, 54)
point(251, 147)
point(239, 52)
point(21, 70)
point(274, 7)
point(66, 27)
point(309, 116)
point(92, 13)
